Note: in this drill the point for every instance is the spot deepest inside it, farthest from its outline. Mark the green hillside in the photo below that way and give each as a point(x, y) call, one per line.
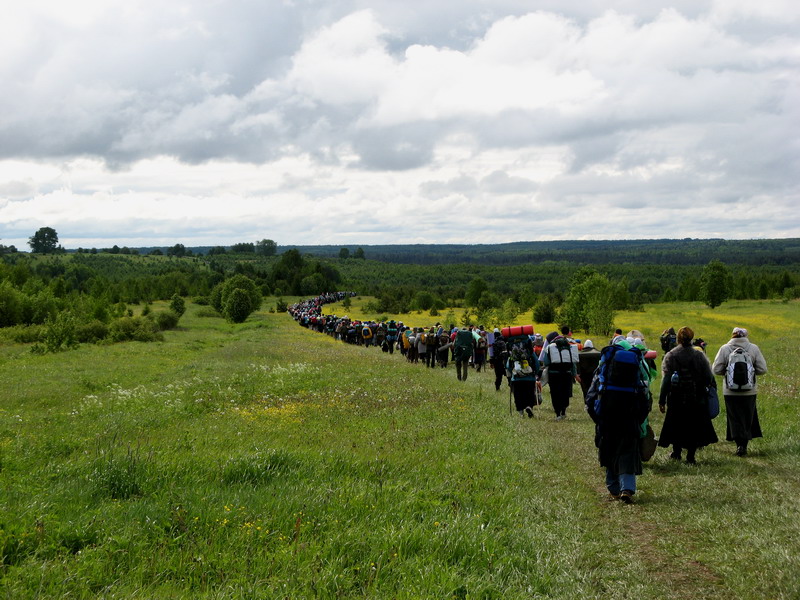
point(267, 461)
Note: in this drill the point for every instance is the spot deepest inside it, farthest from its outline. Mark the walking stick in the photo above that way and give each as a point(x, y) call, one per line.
point(509, 397)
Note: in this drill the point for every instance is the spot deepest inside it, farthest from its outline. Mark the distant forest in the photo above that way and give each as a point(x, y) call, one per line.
point(594, 252)
point(95, 285)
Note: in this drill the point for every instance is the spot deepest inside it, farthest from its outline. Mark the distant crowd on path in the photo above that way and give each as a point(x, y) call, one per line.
point(615, 380)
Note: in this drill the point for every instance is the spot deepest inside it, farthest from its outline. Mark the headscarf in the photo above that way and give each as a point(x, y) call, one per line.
point(739, 332)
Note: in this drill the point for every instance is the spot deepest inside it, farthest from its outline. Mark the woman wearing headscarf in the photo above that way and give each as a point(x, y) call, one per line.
point(686, 376)
point(740, 401)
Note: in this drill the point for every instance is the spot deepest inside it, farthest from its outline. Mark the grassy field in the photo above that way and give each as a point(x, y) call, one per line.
point(267, 461)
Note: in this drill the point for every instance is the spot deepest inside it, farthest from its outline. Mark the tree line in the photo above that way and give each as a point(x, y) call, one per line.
point(99, 287)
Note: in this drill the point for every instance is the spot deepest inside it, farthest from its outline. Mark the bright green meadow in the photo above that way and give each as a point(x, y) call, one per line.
point(264, 460)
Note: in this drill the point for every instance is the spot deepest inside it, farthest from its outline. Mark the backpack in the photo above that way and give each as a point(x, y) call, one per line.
point(561, 359)
point(668, 341)
point(500, 349)
point(620, 381)
point(423, 338)
point(366, 333)
point(430, 339)
point(740, 375)
point(682, 385)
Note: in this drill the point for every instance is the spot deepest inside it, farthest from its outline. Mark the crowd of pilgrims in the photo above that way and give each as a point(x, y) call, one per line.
point(527, 361)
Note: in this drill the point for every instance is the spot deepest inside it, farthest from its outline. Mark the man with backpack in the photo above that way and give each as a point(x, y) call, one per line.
point(739, 362)
point(668, 339)
point(561, 360)
point(499, 358)
point(618, 402)
point(463, 346)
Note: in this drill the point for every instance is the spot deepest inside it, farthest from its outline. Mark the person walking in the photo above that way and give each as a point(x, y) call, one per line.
point(523, 365)
point(588, 359)
point(618, 402)
point(463, 346)
point(686, 376)
point(740, 362)
point(499, 358)
point(561, 359)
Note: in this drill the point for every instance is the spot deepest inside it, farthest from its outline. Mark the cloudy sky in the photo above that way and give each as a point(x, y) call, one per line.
point(138, 122)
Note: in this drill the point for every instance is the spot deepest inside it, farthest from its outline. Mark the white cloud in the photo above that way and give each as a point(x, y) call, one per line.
point(220, 123)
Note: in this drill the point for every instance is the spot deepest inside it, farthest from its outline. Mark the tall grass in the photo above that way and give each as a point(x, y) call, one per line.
point(267, 461)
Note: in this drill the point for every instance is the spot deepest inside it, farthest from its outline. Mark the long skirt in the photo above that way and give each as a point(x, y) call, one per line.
point(687, 426)
point(742, 417)
point(524, 393)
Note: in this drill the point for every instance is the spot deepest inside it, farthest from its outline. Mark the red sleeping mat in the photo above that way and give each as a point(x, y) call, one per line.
point(508, 332)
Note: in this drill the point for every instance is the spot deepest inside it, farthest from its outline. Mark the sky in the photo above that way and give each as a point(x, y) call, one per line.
point(345, 122)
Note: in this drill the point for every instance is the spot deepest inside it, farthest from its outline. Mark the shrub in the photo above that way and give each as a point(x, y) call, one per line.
point(91, 332)
point(202, 300)
point(177, 305)
point(545, 310)
point(281, 306)
point(60, 333)
point(10, 305)
point(134, 329)
point(167, 319)
point(237, 307)
point(248, 299)
point(26, 334)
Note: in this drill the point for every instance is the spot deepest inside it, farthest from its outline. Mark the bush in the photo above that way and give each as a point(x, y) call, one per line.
point(167, 319)
point(545, 310)
point(26, 334)
point(281, 306)
point(202, 300)
point(237, 306)
point(177, 305)
point(60, 333)
point(91, 332)
point(248, 298)
point(10, 305)
point(137, 329)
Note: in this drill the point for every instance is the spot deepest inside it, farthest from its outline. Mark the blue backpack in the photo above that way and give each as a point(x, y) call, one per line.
point(620, 379)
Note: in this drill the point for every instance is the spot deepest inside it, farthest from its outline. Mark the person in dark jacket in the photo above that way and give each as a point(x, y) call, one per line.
point(686, 376)
point(619, 417)
point(588, 359)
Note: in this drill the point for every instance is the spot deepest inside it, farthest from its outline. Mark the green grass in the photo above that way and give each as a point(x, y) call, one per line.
point(267, 461)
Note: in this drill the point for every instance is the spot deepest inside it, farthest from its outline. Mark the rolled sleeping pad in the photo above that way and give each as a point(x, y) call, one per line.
point(650, 354)
point(508, 332)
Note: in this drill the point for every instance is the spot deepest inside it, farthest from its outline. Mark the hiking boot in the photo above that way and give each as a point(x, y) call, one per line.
point(741, 451)
point(626, 496)
point(612, 496)
point(675, 455)
point(529, 412)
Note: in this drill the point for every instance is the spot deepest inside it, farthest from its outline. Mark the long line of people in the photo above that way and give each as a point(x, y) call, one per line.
point(615, 381)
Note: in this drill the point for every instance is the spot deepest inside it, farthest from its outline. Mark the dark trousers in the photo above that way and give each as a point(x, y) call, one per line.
point(462, 369)
point(499, 373)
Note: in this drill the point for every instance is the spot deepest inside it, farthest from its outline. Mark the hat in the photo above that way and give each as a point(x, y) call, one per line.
point(739, 332)
point(496, 330)
point(588, 344)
